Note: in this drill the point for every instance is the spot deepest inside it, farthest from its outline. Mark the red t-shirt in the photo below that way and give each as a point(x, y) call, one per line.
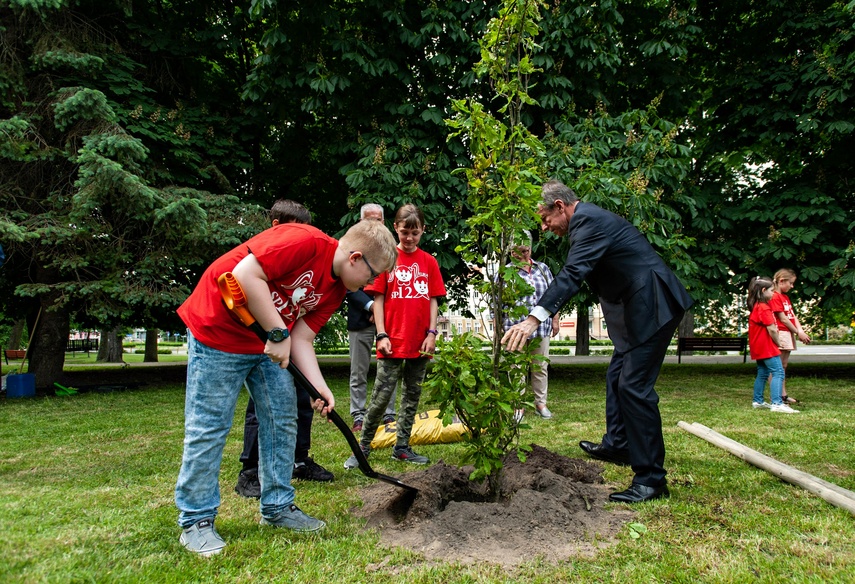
point(781, 303)
point(297, 260)
point(759, 340)
point(407, 292)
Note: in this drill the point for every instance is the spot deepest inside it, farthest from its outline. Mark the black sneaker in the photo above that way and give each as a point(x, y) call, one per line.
point(406, 454)
point(248, 485)
point(309, 470)
point(388, 419)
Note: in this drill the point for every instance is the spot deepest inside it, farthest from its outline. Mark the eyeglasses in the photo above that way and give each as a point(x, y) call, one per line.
point(370, 269)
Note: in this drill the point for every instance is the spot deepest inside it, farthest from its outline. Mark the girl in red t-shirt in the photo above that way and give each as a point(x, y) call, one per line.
point(406, 304)
point(763, 343)
point(789, 326)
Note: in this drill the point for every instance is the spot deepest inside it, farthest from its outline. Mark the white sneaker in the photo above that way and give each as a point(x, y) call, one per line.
point(518, 416)
point(761, 405)
point(783, 408)
point(544, 413)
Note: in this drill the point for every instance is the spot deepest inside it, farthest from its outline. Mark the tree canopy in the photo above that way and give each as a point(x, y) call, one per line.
point(140, 139)
point(122, 147)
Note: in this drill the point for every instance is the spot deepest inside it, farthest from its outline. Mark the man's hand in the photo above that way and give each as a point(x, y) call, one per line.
point(516, 337)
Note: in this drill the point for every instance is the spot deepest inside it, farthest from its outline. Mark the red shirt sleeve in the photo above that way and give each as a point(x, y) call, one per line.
point(777, 302)
point(378, 286)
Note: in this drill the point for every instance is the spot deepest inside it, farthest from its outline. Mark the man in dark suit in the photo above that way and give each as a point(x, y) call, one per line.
point(643, 302)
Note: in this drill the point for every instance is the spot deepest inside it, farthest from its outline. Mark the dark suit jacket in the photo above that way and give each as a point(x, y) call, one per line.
point(357, 316)
point(638, 292)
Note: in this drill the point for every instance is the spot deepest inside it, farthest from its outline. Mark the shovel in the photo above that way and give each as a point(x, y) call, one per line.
point(235, 300)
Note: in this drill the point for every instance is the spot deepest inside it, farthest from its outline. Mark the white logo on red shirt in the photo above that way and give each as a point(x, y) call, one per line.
point(409, 282)
point(297, 298)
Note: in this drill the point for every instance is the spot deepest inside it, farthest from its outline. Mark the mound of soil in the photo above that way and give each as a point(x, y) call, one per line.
point(550, 507)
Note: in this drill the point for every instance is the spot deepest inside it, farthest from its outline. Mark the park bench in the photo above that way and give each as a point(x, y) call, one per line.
point(711, 344)
point(86, 345)
point(14, 354)
point(72, 346)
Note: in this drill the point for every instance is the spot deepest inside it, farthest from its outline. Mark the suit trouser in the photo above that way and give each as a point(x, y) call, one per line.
point(361, 347)
point(633, 421)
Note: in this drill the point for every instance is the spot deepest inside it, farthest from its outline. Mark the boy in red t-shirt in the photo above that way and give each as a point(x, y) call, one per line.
point(405, 307)
point(789, 326)
point(763, 343)
point(294, 277)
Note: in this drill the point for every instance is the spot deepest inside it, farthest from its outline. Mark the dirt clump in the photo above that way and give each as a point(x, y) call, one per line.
point(551, 507)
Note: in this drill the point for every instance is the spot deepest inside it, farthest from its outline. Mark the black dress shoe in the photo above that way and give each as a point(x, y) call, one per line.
point(620, 457)
point(638, 493)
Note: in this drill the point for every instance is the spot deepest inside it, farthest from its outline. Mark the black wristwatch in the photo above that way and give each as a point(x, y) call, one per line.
point(277, 335)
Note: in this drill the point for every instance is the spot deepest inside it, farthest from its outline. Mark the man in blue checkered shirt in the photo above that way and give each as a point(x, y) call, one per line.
point(539, 277)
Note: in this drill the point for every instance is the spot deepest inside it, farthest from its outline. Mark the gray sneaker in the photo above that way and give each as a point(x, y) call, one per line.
point(406, 454)
point(352, 462)
point(202, 538)
point(293, 518)
point(544, 413)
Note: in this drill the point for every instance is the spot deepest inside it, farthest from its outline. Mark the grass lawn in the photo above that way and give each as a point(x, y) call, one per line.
point(84, 359)
point(86, 491)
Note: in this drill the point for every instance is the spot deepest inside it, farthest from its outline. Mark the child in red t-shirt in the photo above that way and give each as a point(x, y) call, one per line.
point(763, 343)
point(283, 211)
point(294, 277)
point(405, 307)
point(789, 326)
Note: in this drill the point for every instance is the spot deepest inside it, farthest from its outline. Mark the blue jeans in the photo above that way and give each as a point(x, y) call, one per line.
point(766, 367)
point(214, 381)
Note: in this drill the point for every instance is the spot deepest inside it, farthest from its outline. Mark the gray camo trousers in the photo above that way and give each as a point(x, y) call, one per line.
point(388, 371)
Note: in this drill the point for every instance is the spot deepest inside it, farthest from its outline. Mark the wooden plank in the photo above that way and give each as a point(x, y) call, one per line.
point(834, 494)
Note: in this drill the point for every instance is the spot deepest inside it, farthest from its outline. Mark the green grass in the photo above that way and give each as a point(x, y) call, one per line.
point(86, 491)
point(84, 359)
point(80, 359)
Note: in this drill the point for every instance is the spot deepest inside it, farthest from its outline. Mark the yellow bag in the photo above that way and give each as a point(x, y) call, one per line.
point(427, 429)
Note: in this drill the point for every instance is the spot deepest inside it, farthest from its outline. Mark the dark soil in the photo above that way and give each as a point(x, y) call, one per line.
point(551, 507)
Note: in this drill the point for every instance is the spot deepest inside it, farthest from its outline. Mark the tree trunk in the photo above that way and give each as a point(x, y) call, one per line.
point(150, 346)
point(110, 349)
point(46, 350)
point(583, 337)
point(16, 334)
point(687, 325)
point(687, 328)
point(102, 346)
